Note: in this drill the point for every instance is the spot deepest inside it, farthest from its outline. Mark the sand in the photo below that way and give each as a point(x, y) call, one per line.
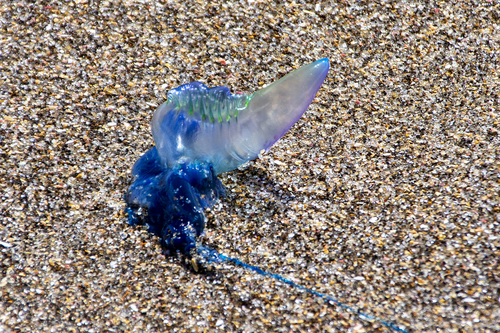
point(385, 194)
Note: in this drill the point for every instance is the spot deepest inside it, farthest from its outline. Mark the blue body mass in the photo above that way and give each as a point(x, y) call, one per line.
point(174, 200)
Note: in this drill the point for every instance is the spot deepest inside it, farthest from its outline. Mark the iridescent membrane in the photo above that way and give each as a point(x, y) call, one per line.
point(201, 125)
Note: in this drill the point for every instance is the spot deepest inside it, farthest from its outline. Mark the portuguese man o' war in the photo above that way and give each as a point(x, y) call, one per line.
point(201, 132)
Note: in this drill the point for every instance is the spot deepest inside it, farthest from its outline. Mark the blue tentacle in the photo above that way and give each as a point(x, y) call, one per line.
point(175, 199)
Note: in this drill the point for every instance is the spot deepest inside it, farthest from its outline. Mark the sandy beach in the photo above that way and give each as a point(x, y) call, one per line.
point(385, 195)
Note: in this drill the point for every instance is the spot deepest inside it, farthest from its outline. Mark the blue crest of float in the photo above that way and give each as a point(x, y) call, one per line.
point(210, 125)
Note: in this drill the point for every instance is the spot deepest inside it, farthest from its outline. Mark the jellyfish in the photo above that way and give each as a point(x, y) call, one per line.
point(201, 132)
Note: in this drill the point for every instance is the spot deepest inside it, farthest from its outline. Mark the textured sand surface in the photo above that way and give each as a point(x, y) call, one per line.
point(385, 195)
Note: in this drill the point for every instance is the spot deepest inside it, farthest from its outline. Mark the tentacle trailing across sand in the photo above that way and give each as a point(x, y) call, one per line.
point(200, 133)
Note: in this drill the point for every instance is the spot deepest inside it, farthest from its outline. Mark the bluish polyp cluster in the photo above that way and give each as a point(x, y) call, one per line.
point(174, 200)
